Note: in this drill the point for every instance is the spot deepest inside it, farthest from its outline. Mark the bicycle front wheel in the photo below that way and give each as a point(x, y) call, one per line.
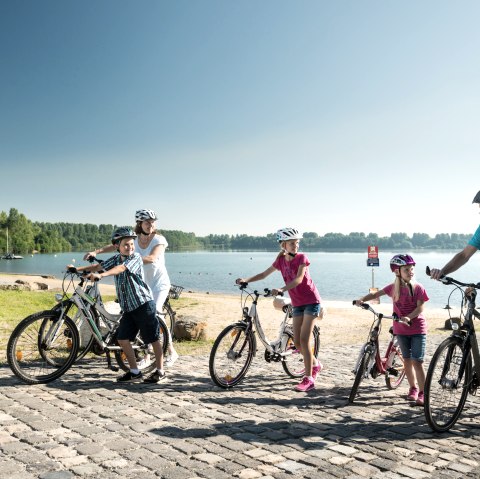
point(446, 386)
point(144, 353)
point(360, 374)
point(42, 347)
point(231, 355)
point(293, 363)
point(396, 372)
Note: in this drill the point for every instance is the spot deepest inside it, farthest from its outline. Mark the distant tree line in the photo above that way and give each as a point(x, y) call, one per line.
point(26, 236)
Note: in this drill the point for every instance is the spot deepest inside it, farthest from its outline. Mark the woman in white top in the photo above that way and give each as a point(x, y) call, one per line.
point(151, 247)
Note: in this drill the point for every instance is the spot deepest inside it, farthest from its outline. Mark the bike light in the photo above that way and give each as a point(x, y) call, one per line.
point(58, 297)
point(454, 326)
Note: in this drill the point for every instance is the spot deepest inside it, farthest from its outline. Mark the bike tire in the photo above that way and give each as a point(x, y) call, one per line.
point(169, 317)
point(231, 355)
point(395, 359)
point(293, 363)
point(444, 403)
point(359, 375)
point(27, 353)
point(144, 353)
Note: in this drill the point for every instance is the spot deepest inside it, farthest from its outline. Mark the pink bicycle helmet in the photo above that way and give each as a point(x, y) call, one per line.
point(401, 260)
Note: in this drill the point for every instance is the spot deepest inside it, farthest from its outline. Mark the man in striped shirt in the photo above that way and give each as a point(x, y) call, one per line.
point(136, 301)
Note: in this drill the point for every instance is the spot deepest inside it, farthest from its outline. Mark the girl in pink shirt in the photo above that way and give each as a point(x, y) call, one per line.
point(306, 301)
point(408, 299)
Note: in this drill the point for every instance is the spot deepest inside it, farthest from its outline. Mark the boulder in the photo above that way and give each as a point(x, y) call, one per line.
point(189, 328)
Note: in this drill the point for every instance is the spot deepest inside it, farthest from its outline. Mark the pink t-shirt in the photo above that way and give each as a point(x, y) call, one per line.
point(405, 305)
point(306, 292)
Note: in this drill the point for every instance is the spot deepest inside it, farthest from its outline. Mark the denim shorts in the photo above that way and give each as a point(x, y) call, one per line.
point(413, 347)
point(309, 309)
point(143, 319)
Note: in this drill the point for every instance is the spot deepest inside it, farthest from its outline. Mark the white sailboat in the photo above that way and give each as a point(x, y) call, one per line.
point(10, 255)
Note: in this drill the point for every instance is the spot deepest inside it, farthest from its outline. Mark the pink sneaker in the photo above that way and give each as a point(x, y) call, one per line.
point(420, 399)
point(316, 370)
point(412, 394)
point(305, 385)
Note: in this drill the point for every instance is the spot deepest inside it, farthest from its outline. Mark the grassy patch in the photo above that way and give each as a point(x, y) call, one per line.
point(17, 305)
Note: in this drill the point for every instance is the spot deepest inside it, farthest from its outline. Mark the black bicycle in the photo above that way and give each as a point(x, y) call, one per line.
point(455, 367)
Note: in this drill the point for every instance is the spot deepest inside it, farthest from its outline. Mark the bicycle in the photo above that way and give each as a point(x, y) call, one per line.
point(370, 362)
point(44, 345)
point(451, 376)
point(233, 350)
point(169, 315)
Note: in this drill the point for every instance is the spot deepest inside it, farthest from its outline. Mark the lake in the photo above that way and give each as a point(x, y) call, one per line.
point(338, 276)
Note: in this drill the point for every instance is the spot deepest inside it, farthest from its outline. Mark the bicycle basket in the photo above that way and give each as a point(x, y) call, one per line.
point(175, 291)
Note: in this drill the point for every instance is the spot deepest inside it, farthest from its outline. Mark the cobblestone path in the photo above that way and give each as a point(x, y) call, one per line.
point(87, 425)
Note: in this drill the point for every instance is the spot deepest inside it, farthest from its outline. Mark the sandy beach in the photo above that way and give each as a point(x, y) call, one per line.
point(343, 323)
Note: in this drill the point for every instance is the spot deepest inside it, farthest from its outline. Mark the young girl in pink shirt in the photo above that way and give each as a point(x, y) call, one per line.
point(306, 301)
point(408, 300)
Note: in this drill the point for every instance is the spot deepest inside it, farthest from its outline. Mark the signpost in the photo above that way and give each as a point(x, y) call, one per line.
point(373, 261)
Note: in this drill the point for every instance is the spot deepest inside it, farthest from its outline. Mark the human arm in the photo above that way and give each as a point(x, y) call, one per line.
point(369, 297)
point(154, 254)
point(455, 263)
point(256, 277)
point(94, 276)
point(104, 249)
point(294, 283)
point(414, 313)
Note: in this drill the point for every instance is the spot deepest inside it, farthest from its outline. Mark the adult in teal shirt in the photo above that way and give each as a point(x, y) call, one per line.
point(463, 256)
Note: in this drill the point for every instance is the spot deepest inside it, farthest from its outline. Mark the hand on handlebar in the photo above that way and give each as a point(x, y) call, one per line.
point(87, 256)
point(276, 292)
point(93, 276)
point(71, 269)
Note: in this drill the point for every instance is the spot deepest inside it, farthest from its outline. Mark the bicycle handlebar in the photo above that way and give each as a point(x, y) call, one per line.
point(394, 315)
point(267, 291)
point(450, 280)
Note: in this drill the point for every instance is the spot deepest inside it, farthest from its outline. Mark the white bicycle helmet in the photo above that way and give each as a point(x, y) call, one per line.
point(285, 234)
point(143, 215)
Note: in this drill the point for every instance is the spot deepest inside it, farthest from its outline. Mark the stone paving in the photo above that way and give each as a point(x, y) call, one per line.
point(86, 425)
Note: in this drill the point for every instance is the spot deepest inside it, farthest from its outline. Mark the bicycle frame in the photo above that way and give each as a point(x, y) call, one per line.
point(251, 316)
point(468, 336)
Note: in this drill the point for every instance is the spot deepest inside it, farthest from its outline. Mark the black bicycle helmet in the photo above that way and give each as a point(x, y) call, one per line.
point(477, 198)
point(121, 233)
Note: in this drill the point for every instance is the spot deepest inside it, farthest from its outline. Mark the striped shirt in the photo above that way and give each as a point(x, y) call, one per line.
point(132, 291)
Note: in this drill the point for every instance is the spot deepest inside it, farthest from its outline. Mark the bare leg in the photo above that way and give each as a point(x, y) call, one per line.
point(157, 347)
point(420, 373)
point(128, 350)
point(410, 373)
point(302, 331)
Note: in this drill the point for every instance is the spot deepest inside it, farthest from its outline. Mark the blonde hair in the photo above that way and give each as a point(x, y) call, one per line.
point(397, 285)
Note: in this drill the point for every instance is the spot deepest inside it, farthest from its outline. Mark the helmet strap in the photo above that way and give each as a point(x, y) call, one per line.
point(292, 254)
point(143, 233)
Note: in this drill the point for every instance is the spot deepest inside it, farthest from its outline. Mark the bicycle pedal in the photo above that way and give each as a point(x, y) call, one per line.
point(392, 371)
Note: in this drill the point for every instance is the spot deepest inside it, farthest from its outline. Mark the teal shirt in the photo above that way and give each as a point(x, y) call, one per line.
point(475, 241)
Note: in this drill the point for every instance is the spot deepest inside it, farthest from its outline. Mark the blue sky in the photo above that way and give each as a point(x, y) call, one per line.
point(242, 117)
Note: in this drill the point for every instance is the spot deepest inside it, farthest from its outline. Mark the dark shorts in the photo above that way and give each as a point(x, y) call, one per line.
point(307, 309)
point(143, 319)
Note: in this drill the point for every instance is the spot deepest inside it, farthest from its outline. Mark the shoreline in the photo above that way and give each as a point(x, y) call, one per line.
point(343, 323)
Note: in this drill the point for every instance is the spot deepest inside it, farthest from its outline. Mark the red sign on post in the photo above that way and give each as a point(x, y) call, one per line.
point(373, 251)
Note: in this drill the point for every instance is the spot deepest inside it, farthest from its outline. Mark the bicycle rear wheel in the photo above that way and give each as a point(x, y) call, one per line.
point(360, 374)
point(41, 349)
point(446, 388)
point(293, 363)
point(231, 355)
point(144, 353)
point(396, 372)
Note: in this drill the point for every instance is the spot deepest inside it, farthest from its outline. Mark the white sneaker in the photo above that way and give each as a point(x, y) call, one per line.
point(143, 363)
point(171, 359)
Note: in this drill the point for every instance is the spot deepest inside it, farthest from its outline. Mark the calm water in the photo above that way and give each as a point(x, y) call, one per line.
point(339, 276)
